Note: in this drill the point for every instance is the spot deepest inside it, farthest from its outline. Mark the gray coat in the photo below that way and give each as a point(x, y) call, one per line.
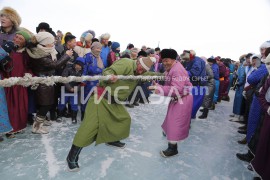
point(208, 98)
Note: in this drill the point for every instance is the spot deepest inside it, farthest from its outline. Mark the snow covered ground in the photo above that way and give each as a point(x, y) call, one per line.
point(208, 152)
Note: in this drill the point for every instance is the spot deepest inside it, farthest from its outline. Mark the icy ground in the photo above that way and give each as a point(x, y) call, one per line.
point(208, 152)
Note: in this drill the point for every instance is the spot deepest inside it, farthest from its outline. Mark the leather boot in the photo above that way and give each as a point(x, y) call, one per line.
point(204, 114)
point(74, 117)
point(170, 151)
point(245, 157)
point(243, 141)
point(73, 157)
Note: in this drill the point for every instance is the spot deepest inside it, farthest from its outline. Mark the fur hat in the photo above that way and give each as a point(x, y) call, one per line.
point(44, 26)
point(188, 55)
point(105, 36)
point(91, 32)
point(146, 62)
point(44, 38)
point(266, 44)
point(86, 37)
point(168, 53)
point(12, 15)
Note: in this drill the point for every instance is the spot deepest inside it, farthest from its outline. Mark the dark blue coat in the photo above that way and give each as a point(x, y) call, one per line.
point(255, 109)
point(196, 71)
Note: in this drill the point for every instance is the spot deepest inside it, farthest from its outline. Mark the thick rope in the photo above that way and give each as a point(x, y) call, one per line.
point(29, 80)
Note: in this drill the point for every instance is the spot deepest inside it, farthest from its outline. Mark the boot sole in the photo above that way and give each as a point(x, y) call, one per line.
point(72, 170)
point(163, 155)
point(116, 146)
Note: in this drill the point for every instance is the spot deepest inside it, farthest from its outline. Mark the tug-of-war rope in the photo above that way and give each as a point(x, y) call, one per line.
point(29, 80)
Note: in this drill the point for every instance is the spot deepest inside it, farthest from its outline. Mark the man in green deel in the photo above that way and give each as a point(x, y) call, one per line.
point(108, 121)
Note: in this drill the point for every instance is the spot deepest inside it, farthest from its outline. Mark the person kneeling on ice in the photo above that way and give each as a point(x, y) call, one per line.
point(107, 121)
point(177, 86)
point(71, 88)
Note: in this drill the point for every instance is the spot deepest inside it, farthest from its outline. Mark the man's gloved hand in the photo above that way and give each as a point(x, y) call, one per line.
point(9, 46)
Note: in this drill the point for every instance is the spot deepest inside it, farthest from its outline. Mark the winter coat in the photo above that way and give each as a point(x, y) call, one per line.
point(71, 71)
point(208, 98)
point(91, 69)
point(255, 108)
point(17, 96)
point(177, 121)
point(6, 36)
point(104, 55)
point(238, 98)
point(112, 57)
point(215, 70)
point(69, 63)
point(261, 162)
point(196, 71)
point(108, 122)
point(222, 70)
point(42, 65)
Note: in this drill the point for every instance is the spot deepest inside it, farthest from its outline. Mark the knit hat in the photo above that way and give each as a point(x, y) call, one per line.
point(25, 34)
point(44, 38)
point(12, 15)
point(146, 62)
point(168, 53)
point(266, 44)
point(115, 45)
point(44, 26)
point(105, 36)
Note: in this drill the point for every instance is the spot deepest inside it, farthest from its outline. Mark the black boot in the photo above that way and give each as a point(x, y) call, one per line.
point(73, 157)
point(170, 151)
point(74, 117)
point(245, 157)
point(53, 115)
point(243, 141)
point(60, 115)
point(204, 114)
point(118, 144)
point(242, 131)
point(82, 115)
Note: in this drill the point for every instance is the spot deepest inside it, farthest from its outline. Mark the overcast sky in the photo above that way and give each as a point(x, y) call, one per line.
point(227, 28)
